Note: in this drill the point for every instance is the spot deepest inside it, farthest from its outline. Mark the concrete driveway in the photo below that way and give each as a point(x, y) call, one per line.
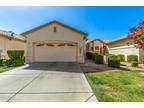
point(45, 82)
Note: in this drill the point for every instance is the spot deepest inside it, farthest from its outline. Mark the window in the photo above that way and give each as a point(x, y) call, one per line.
point(62, 44)
point(69, 44)
point(40, 45)
point(92, 48)
point(96, 47)
point(50, 44)
point(129, 43)
point(55, 29)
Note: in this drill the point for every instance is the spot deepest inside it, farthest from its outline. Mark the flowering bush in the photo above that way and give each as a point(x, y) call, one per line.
point(137, 35)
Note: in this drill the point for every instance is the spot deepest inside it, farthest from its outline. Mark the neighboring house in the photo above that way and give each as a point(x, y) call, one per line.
point(55, 42)
point(8, 41)
point(96, 46)
point(126, 47)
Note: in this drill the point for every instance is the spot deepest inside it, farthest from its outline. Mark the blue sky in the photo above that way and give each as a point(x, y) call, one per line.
point(98, 22)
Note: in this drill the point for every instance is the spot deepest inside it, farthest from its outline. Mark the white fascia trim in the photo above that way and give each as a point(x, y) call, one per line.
point(123, 47)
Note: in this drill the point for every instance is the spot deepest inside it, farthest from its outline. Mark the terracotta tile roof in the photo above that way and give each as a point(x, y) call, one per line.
point(103, 41)
point(88, 41)
point(106, 41)
point(118, 39)
point(12, 35)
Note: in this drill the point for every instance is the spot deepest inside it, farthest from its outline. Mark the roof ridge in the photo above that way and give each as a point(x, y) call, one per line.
point(48, 23)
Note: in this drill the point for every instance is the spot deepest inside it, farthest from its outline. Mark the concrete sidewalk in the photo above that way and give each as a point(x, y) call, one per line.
point(45, 82)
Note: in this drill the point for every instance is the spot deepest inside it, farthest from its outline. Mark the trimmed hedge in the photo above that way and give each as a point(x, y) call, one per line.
point(89, 55)
point(1, 62)
point(113, 61)
point(122, 57)
point(131, 58)
point(9, 63)
point(134, 63)
point(15, 54)
point(98, 59)
point(95, 57)
point(16, 58)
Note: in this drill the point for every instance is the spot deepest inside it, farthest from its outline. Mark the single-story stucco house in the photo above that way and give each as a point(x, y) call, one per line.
point(10, 41)
point(55, 42)
point(126, 47)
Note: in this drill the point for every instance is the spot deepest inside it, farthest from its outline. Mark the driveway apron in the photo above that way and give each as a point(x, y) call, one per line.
point(45, 82)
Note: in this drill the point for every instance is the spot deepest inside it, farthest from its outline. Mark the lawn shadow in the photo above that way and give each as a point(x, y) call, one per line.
point(97, 68)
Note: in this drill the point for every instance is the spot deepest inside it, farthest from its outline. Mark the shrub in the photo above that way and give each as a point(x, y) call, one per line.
point(1, 62)
point(131, 58)
point(98, 59)
point(113, 61)
point(18, 62)
point(9, 63)
point(16, 58)
point(122, 57)
point(13, 63)
point(89, 55)
point(93, 56)
point(134, 63)
point(15, 54)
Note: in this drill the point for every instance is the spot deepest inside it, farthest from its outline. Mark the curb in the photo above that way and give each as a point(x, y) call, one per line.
point(17, 68)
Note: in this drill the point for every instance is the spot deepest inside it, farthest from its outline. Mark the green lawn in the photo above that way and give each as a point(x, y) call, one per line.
point(119, 86)
point(4, 69)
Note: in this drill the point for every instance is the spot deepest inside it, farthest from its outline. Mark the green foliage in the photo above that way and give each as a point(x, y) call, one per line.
point(15, 54)
point(131, 58)
point(93, 56)
point(134, 63)
point(117, 86)
point(137, 35)
point(113, 61)
point(9, 62)
point(5, 69)
point(18, 62)
point(89, 55)
point(1, 62)
point(122, 57)
point(98, 59)
point(16, 58)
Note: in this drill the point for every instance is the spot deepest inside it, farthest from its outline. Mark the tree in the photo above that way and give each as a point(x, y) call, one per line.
point(137, 35)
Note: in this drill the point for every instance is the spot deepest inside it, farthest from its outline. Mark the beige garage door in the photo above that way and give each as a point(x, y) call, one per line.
point(55, 53)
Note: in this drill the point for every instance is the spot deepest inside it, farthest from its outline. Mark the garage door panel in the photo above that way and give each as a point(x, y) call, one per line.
point(55, 59)
point(55, 53)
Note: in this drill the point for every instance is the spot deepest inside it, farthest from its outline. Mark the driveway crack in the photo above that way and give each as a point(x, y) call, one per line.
point(89, 98)
point(24, 87)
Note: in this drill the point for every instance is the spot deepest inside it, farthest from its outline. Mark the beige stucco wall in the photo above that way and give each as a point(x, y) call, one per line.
point(95, 43)
point(141, 55)
point(122, 47)
point(47, 34)
point(6, 44)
